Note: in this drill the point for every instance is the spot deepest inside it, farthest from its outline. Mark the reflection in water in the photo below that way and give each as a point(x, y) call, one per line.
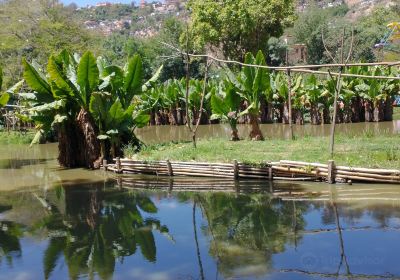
point(103, 231)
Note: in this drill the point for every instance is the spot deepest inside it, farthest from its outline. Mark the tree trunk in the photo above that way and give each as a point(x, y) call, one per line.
point(87, 136)
point(172, 116)
point(326, 116)
point(347, 113)
point(235, 134)
point(264, 110)
point(388, 109)
point(379, 112)
point(355, 109)
point(152, 118)
point(285, 113)
point(314, 114)
point(270, 114)
point(68, 145)
point(255, 132)
point(298, 117)
point(339, 115)
point(368, 111)
point(179, 116)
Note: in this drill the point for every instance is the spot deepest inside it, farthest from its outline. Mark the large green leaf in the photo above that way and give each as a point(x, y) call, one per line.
point(88, 76)
point(141, 119)
point(99, 106)
point(218, 105)
point(133, 78)
point(4, 99)
point(35, 81)
point(153, 79)
point(58, 78)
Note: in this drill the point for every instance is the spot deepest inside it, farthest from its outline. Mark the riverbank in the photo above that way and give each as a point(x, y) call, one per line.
point(367, 150)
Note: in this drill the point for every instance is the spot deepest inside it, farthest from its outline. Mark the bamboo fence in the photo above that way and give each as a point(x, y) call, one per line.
point(281, 170)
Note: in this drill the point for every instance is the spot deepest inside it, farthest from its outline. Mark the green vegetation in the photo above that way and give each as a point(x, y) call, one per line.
point(90, 103)
point(16, 137)
point(238, 27)
point(366, 150)
point(368, 30)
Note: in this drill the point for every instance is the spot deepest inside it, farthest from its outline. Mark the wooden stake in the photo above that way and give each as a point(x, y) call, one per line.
point(118, 165)
point(331, 174)
point(290, 104)
point(105, 164)
point(169, 166)
point(235, 170)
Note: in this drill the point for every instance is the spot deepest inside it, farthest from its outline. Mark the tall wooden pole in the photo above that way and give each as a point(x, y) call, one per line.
point(290, 91)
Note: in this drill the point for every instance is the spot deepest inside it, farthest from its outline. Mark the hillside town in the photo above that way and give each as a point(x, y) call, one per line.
point(146, 12)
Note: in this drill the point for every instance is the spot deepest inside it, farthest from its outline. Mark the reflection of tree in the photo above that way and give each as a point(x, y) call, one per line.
point(246, 230)
point(9, 239)
point(97, 229)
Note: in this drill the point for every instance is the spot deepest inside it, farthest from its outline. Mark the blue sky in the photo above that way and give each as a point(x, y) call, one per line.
point(92, 2)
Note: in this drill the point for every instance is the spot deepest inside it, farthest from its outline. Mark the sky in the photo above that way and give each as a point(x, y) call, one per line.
point(92, 2)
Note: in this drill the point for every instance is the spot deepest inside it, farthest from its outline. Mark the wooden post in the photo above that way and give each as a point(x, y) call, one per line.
point(290, 104)
point(169, 166)
point(270, 174)
point(235, 170)
point(118, 165)
point(105, 164)
point(331, 170)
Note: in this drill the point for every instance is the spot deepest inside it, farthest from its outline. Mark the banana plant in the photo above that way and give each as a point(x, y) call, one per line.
point(253, 82)
point(62, 98)
point(225, 105)
point(115, 107)
point(4, 97)
point(316, 98)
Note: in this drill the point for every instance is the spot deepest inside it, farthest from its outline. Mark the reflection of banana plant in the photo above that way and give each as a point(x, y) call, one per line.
point(92, 236)
point(246, 230)
point(225, 104)
point(10, 233)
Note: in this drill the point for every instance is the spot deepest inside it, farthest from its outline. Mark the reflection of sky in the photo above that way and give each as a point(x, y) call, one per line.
point(372, 251)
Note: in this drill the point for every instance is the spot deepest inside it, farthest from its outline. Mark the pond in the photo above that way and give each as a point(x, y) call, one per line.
point(70, 224)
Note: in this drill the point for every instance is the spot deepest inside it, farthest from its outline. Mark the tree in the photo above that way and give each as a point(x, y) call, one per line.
point(35, 33)
point(86, 101)
point(240, 26)
point(252, 83)
point(225, 104)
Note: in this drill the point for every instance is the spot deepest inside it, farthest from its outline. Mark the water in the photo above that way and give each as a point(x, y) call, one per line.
point(70, 224)
point(103, 231)
point(157, 134)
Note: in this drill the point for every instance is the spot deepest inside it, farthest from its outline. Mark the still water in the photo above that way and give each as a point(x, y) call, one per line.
point(78, 224)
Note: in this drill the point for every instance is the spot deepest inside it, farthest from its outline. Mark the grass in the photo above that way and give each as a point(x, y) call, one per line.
point(367, 150)
point(396, 113)
point(16, 137)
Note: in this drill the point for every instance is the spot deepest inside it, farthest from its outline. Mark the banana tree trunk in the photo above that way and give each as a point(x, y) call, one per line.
point(326, 114)
point(172, 116)
point(339, 115)
point(234, 134)
point(152, 117)
point(264, 110)
point(179, 116)
point(388, 109)
point(68, 145)
point(356, 109)
point(89, 145)
point(347, 113)
point(379, 112)
point(255, 132)
point(315, 114)
point(298, 117)
point(285, 113)
point(368, 111)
